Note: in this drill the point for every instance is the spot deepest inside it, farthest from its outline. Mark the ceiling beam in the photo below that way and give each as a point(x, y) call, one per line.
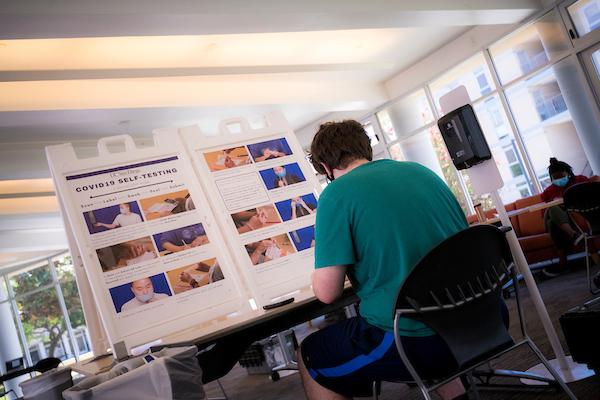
point(81, 18)
point(189, 91)
point(25, 240)
point(57, 75)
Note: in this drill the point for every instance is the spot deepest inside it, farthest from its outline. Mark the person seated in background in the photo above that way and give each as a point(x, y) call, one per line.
point(562, 230)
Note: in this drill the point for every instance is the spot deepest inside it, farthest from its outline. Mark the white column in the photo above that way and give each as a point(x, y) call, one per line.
point(582, 107)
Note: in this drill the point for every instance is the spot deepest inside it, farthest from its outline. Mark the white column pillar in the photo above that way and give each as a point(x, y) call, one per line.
point(582, 107)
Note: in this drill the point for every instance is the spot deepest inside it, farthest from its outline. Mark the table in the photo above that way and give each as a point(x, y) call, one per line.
point(525, 210)
point(222, 343)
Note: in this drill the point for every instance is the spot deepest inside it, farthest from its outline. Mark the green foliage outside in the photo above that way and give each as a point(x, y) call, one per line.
point(41, 314)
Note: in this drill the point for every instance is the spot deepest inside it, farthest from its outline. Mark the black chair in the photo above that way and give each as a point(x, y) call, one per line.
point(456, 290)
point(584, 199)
point(41, 366)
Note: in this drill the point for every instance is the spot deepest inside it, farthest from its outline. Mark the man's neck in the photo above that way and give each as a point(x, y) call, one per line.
point(354, 164)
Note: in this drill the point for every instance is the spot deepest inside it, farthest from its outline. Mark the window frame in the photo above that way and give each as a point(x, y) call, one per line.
point(53, 284)
point(532, 182)
point(579, 42)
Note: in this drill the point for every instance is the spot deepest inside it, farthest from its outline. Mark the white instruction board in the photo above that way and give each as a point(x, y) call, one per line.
point(264, 194)
point(153, 252)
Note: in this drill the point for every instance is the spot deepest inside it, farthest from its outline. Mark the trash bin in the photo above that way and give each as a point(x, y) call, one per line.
point(47, 386)
point(170, 374)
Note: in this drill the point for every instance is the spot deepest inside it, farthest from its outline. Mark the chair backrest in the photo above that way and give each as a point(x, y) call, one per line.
point(456, 290)
point(42, 366)
point(584, 199)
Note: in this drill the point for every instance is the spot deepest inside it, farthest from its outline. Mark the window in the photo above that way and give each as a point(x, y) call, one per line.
point(495, 125)
point(82, 341)
point(406, 115)
point(529, 48)
point(484, 84)
point(596, 61)
point(524, 190)
point(43, 321)
point(396, 152)
point(386, 125)
point(545, 123)
point(65, 272)
point(585, 15)
point(3, 290)
point(427, 148)
point(410, 128)
point(31, 278)
point(371, 133)
point(516, 170)
point(47, 299)
point(525, 120)
point(473, 74)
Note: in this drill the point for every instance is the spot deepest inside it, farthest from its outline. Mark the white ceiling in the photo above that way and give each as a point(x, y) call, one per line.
point(73, 70)
point(58, 89)
point(76, 70)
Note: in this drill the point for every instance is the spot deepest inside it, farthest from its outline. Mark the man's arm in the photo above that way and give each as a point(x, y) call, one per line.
point(328, 283)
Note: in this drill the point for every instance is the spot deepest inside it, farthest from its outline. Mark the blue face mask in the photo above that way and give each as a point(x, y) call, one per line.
point(281, 173)
point(144, 298)
point(561, 182)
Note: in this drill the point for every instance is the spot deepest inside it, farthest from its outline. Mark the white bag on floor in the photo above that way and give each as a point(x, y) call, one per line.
point(47, 386)
point(170, 374)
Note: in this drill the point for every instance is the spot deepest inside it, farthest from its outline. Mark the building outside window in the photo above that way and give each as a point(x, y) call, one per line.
point(412, 135)
point(473, 74)
point(530, 48)
point(585, 15)
point(545, 123)
point(494, 123)
point(371, 133)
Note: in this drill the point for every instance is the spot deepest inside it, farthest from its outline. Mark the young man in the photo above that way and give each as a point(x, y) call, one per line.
point(375, 221)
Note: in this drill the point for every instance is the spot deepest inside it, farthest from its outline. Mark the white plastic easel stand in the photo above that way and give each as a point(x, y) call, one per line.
point(569, 370)
point(486, 179)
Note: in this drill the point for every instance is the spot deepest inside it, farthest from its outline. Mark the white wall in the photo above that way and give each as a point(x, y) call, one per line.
point(307, 132)
point(445, 58)
point(27, 160)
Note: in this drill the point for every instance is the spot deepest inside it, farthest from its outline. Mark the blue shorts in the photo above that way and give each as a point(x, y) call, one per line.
point(349, 356)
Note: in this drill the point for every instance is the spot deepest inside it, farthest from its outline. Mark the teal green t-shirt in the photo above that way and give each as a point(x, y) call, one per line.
point(380, 219)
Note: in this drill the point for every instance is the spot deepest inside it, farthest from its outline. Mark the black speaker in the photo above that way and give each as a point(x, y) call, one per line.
point(464, 138)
